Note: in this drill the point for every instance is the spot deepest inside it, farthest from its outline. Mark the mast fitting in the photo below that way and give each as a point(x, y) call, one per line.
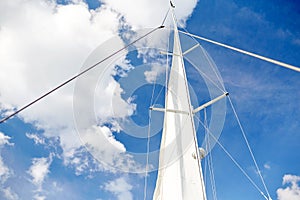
point(172, 5)
point(210, 102)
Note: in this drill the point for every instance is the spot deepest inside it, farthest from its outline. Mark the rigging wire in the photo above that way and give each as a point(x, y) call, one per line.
point(78, 75)
point(206, 166)
point(249, 148)
point(210, 161)
point(253, 55)
point(279, 63)
point(164, 20)
point(150, 116)
point(209, 156)
point(213, 67)
point(206, 76)
point(148, 138)
point(233, 160)
point(148, 149)
point(209, 62)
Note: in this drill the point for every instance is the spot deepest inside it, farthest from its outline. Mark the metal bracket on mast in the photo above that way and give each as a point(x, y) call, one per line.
point(169, 110)
point(191, 49)
point(174, 54)
point(169, 53)
point(210, 102)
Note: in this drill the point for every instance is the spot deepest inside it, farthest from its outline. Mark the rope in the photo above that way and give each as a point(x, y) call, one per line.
point(233, 160)
point(206, 76)
point(148, 141)
point(150, 116)
point(209, 63)
point(249, 148)
point(163, 22)
point(256, 56)
point(210, 161)
point(147, 157)
point(78, 75)
point(282, 64)
point(212, 67)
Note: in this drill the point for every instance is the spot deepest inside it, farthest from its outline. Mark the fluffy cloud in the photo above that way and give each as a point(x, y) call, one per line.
point(43, 43)
point(145, 13)
point(267, 166)
point(4, 140)
point(39, 170)
point(5, 172)
point(120, 188)
point(39, 197)
point(292, 191)
point(9, 194)
point(36, 138)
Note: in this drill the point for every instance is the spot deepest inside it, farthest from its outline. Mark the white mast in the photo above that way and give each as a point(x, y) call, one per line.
point(180, 173)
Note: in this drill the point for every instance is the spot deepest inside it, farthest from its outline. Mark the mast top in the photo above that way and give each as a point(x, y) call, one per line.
point(172, 5)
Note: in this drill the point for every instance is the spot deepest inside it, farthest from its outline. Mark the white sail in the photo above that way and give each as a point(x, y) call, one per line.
point(180, 174)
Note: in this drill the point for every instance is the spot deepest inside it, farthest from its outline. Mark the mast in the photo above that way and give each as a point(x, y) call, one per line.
point(180, 173)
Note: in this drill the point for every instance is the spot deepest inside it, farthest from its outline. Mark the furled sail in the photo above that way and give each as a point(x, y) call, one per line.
point(180, 174)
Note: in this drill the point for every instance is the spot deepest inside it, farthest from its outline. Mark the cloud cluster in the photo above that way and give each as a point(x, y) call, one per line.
point(39, 170)
point(292, 191)
point(9, 194)
point(36, 138)
point(43, 43)
point(5, 172)
point(120, 188)
point(145, 13)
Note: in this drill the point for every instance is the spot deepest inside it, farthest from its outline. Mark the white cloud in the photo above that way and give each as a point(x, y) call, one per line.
point(39, 197)
point(292, 191)
point(43, 47)
point(9, 194)
point(39, 170)
point(43, 43)
point(267, 166)
point(4, 140)
point(120, 188)
point(110, 91)
point(296, 41)
point(108, 151)
point(5, 172)
point(36, 138)
point(150, 13)
point(152, 75)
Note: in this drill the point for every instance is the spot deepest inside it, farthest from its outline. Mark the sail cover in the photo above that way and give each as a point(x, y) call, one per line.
point(179, 175)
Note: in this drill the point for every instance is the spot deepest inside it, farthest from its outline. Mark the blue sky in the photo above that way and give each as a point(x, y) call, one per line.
point(42, 43)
